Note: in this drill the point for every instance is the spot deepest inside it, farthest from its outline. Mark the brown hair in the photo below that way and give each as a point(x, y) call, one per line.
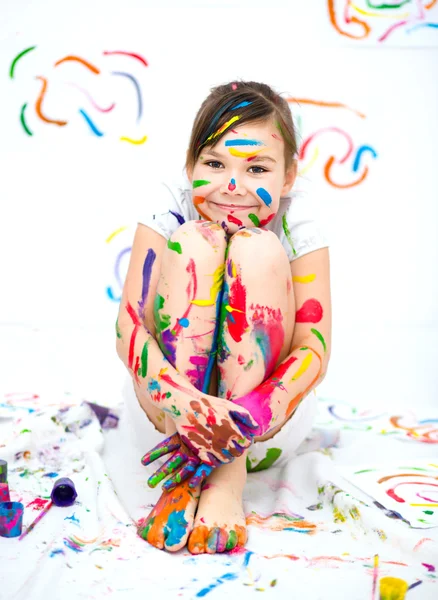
point(259, 102)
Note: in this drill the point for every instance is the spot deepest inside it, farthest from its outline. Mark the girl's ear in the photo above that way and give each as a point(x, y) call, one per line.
point(289, 179)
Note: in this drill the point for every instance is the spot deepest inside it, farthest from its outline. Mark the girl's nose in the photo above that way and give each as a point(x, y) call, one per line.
point(232, 187)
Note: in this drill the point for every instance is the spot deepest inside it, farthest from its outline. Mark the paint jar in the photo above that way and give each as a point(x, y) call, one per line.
point(63, 492)
point(11, 519)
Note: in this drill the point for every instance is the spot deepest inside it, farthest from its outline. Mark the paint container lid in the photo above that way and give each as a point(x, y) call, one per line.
point(3, 471)
point(107, 419)
point(11, 519)
point(64, 492)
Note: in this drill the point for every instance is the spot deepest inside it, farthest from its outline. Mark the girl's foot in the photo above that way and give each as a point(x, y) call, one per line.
point(171, 520)
point(220, 521)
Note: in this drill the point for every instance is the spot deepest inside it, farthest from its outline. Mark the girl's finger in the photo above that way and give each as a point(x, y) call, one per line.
point(202, 472)
point(170, 444)
point(184, 473)
point(168, 468)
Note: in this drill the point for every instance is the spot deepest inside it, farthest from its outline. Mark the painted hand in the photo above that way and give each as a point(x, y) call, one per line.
point(215, 430)
point(182, 465)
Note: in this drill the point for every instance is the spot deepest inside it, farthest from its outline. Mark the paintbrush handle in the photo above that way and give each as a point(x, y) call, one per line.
point(37, 520)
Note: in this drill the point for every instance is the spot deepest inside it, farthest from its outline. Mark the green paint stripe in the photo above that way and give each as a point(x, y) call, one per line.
point(287, 233)
point(144, 359)
point(176, 246)
point(23, 122)
point(254, 218)
point(119, 333)
point(272, 455)
point(17, 58)
point(321, 339)
point(200, 182)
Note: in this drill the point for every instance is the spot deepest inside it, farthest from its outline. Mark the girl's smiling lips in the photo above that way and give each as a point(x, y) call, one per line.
point(234, 206)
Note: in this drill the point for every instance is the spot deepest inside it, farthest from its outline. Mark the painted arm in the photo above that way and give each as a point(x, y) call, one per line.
point(200, 419)
point(274, 401)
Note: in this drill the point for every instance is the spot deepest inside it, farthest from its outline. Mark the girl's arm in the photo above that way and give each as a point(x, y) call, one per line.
point(273, 402)
point(156, 379)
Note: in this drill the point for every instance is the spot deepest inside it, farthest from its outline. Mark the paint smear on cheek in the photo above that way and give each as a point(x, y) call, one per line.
point(197, 201)
point(264, 195)
point(199, 183)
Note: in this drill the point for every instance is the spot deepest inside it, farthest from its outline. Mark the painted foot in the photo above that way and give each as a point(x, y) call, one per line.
point(220, 521)
point(171, 520)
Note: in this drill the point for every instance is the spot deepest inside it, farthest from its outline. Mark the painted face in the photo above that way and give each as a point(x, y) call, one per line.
point(239, 182)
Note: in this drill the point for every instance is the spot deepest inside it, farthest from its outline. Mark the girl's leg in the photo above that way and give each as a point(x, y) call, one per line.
point(257, 323)
point(185, 321)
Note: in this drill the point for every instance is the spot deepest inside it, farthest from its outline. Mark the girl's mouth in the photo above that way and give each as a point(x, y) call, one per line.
point(233, 207)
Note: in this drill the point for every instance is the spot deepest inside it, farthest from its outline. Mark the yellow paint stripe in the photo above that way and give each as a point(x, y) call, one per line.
point(114, 233)
point(303, 367)
point(218, 277)
point(136, 142)
point(240, 154)
point(310, 164)
point(368, 13)
point(305, 278)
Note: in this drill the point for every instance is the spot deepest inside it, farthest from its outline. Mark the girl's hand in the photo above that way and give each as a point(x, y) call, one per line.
point(215, 429)
point(181, 465)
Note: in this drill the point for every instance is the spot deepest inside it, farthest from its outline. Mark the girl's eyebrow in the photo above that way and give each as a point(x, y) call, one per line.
point(258, 157)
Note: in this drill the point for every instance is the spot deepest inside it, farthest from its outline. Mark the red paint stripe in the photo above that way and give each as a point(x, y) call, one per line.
point(124, 53)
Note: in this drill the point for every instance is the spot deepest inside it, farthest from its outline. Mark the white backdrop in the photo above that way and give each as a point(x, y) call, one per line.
point(70, 194)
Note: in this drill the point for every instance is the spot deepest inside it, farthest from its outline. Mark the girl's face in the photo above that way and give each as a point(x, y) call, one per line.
point(239, 182)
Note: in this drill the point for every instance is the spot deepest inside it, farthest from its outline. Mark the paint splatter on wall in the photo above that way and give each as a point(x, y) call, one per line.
point(96, 115)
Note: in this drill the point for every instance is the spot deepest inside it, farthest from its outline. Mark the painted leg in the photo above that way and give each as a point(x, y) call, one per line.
point(257, 321)
point(185, 320)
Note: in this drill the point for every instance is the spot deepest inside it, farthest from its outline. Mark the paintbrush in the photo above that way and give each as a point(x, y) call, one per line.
point(37, 520)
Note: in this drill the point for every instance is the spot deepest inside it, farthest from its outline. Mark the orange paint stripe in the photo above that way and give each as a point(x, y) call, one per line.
point(39, 102)
point(80, 60)
point(326, 104)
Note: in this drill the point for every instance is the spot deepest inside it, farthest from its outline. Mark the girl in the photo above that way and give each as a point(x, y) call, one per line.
point(225, 319)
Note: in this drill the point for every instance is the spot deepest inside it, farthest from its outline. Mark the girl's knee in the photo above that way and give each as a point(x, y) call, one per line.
point(195, 234)
point(257, 247)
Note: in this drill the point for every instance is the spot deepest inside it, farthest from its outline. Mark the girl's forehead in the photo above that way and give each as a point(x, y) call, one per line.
point(257, 134)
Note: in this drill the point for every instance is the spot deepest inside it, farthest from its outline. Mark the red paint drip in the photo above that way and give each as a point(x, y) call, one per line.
point(310, 312)
point(240, 360)
point(233, 219)
point(231, 187)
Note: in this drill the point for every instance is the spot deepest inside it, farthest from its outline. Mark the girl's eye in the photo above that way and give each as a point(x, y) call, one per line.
point(212, 163)
point(262, 170)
